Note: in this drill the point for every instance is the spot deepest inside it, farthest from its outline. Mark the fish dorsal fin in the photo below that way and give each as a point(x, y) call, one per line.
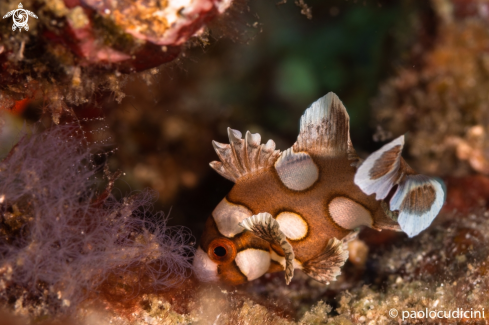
point(243, 156)
point(325, 128)
point(418, 198)
point(266, 227)
point(327, 266)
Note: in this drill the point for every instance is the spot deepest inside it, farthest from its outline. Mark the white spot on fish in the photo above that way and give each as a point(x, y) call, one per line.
point(292, 225)
point(253, 263)
point(205, 269)
point(349, 214)
point(296, 170)
point(227, 217)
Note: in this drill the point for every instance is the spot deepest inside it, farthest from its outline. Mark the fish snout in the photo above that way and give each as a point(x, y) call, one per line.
point(220, 251)
point(205, 269)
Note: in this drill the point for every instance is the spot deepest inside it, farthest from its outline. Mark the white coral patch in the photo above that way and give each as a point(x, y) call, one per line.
point(253, 263)
point(223, 5)
point(228, 215)
point(205, 269)
point(292, 225)
point(349, 214)
point(173, 10)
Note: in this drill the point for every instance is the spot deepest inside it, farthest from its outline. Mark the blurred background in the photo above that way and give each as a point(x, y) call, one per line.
point(261, 80)
point(258, 69)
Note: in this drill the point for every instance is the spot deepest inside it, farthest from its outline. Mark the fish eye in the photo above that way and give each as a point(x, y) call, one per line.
point(222, 250)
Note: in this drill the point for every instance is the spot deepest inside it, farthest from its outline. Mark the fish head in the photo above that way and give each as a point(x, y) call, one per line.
point(214, 257)
point(224, 255)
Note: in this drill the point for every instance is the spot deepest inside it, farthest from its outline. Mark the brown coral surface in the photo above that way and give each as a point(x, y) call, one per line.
point(76, 48)
point(440, 99)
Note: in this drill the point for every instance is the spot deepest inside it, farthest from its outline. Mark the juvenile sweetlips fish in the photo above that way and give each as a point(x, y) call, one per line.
point(297, 209)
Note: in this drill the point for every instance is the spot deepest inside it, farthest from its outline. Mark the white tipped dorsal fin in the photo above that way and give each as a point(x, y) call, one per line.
point(243, 156)
point(264, 226)
point(381, 170)
point(418, 199)
point(325, 128)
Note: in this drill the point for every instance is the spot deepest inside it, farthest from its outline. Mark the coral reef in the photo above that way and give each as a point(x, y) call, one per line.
point(61, 242)
point(75, 250)
point(76, 48)
point(439, 96)
point(445, 269)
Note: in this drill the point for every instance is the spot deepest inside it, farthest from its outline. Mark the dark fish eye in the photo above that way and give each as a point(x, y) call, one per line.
point(220, 251)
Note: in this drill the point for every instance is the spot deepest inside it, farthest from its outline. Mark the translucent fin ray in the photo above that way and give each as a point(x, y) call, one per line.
point(266, 227)
point(327, 265)
point(243, 156)
point(387, 220)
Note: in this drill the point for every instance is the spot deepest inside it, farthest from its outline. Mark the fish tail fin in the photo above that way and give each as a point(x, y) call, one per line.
point(416, 198)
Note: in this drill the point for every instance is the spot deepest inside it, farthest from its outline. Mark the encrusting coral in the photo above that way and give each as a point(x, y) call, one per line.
point(61, 241)
point(441, 98)
point(77, 47)
point(64, 246)
point(444, 269)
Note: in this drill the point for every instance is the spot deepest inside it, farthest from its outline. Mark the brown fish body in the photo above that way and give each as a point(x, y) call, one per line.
point(266, 193)
point(300, 207)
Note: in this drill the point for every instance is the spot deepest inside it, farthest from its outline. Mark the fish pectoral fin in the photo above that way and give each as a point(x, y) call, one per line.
point(325, 129)
point(418, 199)
point(266, 227)
point(326, 266)
point(243, 156)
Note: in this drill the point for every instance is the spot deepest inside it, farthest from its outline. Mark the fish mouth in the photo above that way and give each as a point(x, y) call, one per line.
point(204, 268)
